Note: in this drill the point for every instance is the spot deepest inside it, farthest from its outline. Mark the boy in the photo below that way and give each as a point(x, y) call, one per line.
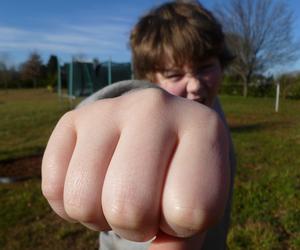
point(149, 163)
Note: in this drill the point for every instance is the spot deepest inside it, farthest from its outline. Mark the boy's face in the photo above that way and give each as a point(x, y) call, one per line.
point(201, 86)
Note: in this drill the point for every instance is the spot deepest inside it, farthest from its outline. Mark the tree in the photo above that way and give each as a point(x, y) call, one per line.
point(15, 77)
point(259, 33)
point(32, 68)
point(290, 85)
point(5, 76)
point(52, 66)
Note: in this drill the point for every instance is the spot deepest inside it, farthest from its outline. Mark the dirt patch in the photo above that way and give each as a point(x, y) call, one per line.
point(22, 168)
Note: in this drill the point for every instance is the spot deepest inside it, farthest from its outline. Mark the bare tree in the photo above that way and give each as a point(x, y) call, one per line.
point(259, 33)
point(3, 75)
point(4, 69)
point(289, 84)
point(32, 68)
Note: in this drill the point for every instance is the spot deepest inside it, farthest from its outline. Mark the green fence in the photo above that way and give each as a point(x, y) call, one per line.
point(84, 78)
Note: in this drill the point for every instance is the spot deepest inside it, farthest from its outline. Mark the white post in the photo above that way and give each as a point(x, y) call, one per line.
point(277, 96)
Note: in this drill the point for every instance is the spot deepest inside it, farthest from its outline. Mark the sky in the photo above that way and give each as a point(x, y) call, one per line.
point(86, 28)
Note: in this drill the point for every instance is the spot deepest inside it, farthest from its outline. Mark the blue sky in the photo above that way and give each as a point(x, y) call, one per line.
point(93, 29)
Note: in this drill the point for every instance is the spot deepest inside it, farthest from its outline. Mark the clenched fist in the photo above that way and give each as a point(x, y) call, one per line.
point(143, 164)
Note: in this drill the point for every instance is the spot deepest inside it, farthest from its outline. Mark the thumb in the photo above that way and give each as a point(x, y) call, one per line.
point(166, 242)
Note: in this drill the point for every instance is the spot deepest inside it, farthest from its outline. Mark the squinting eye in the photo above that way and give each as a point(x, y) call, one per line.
point(206, 68)
point(174, 76)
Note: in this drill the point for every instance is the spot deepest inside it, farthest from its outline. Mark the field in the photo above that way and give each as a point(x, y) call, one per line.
point(266, 206)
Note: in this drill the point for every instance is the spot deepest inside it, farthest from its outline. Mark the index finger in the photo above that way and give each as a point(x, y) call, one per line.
point(55, 163)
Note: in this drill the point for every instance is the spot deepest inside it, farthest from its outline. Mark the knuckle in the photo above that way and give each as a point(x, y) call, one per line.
point(124, 216)
point(65, 122)
point(80, 211)
point(52, 191)
point(67, 117)
point(187, 221)
point(78, 205)
point(155, 99)
point(133, 222)
point(152, 100)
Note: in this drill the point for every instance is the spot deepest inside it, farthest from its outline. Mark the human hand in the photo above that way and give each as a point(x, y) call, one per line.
point(143, 164)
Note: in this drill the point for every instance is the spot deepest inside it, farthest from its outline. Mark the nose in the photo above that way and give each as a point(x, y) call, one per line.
point(193, 85)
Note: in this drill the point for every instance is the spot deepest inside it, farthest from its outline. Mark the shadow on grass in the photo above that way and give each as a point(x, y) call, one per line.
point(255, 127)
point(16, 170)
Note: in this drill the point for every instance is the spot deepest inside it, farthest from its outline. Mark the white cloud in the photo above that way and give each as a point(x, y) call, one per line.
point(102, 28)
point(11, 33)
point(102, 39)
point(67, 38)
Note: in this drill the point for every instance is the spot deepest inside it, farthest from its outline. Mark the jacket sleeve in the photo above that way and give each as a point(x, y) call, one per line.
point(117, 89)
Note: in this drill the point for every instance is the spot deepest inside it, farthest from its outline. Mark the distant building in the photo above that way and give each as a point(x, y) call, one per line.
point(85, 78)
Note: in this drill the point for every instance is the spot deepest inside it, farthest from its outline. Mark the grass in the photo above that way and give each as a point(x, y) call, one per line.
point(266, 209)
point(27, 119)
point(266, 206)
point(27, 222)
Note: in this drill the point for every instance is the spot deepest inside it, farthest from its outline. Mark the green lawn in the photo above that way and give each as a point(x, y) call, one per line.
point(27, 119)
point(266, 208)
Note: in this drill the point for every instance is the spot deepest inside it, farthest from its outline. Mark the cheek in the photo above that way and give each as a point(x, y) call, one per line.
point(213, 82)
point(176, 89)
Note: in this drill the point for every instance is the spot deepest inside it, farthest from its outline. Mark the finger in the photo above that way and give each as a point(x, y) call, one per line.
point(87, 170)
point(167, 242)
point(133, 184)
point(55, 163)
point(196, 186)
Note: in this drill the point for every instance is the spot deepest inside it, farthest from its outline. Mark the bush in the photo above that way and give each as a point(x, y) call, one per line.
point(263, 90)
point(232, 89)
point(293, 92)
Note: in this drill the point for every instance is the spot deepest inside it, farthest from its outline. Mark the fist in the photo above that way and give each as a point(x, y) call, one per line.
point(139, 164)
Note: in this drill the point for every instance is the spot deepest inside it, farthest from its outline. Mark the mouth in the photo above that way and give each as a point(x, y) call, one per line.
point(200, 99)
